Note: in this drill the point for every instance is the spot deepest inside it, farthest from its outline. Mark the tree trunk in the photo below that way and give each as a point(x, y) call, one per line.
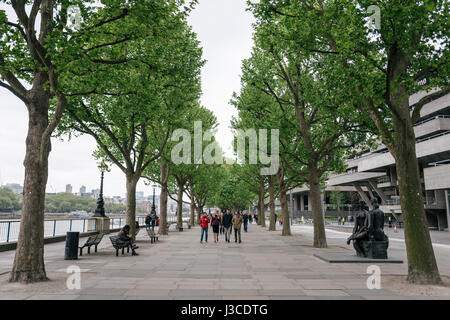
point(163, 210)
point(163, 199)
point(29, 257)
point(272, 224)
point(286, 230)
point(192, 207)
point(132, 181)
point(180, 204)
point(422, 266)
point(199, 214)
point(262, 216)
point(320, 239)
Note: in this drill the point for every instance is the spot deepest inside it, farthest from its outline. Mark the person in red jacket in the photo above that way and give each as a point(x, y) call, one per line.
point(204, 224)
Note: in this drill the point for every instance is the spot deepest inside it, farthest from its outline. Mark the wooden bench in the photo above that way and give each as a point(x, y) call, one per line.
point(153, 236)
point(117, 245)
point(91, 241)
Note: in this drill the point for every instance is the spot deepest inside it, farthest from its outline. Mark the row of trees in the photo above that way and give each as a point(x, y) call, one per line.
point(67, 202)
point(334, 83)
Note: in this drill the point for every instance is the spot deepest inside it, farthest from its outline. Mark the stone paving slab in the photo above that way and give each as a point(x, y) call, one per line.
point(265, 266)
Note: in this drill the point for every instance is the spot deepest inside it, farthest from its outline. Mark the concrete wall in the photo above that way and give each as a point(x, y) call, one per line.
point(435, 105)
point(423, 149)
point(438, 124)
point(437, 177)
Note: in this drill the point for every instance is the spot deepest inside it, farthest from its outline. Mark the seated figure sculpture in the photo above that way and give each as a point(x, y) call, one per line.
point(360, 230)
point(369, 239)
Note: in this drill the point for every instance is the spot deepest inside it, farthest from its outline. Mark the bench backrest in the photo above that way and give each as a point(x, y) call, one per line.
point(90, 241)
point(114, 240)
point(150, 232)
point(98, 238)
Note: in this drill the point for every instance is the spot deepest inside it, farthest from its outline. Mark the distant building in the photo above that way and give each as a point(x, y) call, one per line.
point(95, 193)
point(82, 190)
point(139, 197)
point(69, 188)
point(14, 187)
point(114, 199)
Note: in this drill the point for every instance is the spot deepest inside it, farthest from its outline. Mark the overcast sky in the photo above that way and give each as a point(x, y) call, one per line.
point(224, 29)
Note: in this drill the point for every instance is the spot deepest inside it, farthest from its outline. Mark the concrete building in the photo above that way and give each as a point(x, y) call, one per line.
point(82, 190)
point(299, 202)
point(95, 193)
point(69, 188)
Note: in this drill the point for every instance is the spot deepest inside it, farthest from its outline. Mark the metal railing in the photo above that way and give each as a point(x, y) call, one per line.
point(384, 179)
point(431, 119)
point(393, 202)
point(9, 230)
point(439, 163)
point(432, 137)
point(117, 223)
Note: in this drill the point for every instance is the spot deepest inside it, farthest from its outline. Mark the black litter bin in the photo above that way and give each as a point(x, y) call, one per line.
point(72, 240)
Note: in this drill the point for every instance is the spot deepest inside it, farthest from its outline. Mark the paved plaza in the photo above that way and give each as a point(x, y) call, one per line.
point(265, 266)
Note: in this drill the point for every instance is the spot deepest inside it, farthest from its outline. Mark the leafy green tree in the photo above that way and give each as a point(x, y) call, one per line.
point(337, 199)
point(233, 192)
point(180, 176)
point(5, 203)
point(191, 164)
point(134, 117)
point(206, 182)
point(9, 201)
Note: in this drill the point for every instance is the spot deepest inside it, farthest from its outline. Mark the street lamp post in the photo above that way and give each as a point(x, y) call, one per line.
point(153, 212)
point(100, 211)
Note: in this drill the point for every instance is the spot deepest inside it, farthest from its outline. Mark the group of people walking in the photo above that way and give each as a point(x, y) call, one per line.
point(223, 223)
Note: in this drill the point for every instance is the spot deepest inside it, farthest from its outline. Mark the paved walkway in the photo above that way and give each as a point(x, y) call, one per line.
point(265, 266)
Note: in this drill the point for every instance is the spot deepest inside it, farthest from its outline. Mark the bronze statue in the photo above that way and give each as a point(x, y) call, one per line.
point(368, 236)
point(376, 223)
point(360, 230)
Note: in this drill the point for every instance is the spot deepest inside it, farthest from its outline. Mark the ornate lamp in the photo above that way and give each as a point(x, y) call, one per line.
point(153, 204)
point(100, 211)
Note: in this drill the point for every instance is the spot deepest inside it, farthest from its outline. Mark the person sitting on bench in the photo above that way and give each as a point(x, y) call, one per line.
point(125, 238)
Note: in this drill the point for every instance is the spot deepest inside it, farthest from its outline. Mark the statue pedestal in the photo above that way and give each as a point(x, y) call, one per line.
point(100, 224)
point(375, 249)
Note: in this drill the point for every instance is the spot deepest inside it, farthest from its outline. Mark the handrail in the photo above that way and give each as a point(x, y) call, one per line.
point(442, 116)
point(439, 163)
point(432, 137)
